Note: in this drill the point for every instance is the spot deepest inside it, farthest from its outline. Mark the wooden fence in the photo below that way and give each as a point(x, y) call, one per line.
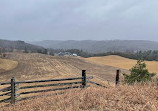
point(11, 90)
point(14, 86)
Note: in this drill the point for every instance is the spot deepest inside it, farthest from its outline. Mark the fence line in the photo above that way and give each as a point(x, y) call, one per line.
point(50, 80)
point(97, 84)
point(59, 84)
point(13, 88)
point(5, 89)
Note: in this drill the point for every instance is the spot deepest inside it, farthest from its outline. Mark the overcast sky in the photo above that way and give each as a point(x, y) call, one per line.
point(34, 20)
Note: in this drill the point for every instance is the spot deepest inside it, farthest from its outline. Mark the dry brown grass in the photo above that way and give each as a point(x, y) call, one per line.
point(36, 66)
point(121, 62)
point(105, 83)
point(6, 65)
point(122, 98)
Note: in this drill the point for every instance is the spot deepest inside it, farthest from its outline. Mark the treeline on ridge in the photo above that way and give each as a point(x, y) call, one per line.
point(150, 55)
point(139, 55)
point(143, 55)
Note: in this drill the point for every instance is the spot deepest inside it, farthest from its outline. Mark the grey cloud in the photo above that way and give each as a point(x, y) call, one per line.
point(78, 19)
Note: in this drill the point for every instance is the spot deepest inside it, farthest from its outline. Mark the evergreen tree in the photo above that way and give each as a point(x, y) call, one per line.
point(0, 51)
point(26, 51)
point(138, 73)
point(45, 51)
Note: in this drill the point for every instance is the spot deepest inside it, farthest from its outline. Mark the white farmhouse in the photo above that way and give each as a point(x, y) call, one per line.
point(74, 54)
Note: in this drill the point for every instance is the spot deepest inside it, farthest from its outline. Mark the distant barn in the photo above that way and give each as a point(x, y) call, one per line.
point(66, 54)
point(74, 54)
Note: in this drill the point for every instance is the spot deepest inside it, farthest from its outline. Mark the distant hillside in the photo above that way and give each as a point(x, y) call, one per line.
point(121, 62)
point(21, 45)
point(100, 46)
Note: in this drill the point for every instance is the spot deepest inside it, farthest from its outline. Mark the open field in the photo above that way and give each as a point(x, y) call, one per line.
point(122, 98)
point(32, 66)
point(6, 65)
point(38, 66)
point(121, 62)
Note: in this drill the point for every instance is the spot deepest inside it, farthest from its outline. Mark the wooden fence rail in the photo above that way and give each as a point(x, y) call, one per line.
point(50, 80)
point(59, 84)
point(97, 84)
point(13, 88)
point(6, 89)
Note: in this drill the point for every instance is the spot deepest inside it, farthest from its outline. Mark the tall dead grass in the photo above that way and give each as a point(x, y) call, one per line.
point(122, 98)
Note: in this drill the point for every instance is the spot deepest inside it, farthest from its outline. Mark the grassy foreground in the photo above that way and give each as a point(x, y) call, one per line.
point(122, 98)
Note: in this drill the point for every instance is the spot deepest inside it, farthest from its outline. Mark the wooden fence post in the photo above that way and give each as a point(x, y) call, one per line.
point(13, 90)
point(83, 78)
point(117, 77)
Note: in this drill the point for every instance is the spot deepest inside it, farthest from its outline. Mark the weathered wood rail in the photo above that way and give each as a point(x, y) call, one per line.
point(97, 84)
point(80, 82)
point(11, 91)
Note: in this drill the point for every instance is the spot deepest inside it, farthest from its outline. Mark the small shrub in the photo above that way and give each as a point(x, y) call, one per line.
point(138, 73)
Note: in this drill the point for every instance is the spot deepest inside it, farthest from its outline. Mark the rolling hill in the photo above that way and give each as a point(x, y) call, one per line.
point(36, 66)
point(93, 46)
point(21, 45)
point(32, 66)
point(121, 62)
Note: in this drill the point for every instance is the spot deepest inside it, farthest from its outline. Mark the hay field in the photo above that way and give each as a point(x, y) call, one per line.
point(6, 65)
point(39, 66)
point(33, 66)
point(121, 62)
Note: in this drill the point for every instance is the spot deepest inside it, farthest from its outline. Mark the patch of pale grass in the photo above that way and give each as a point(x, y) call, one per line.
point(6, 64)
point(121, 62)
point(122, 98)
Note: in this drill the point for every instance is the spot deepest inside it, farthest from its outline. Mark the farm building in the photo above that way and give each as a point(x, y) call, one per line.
point(66, 54)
